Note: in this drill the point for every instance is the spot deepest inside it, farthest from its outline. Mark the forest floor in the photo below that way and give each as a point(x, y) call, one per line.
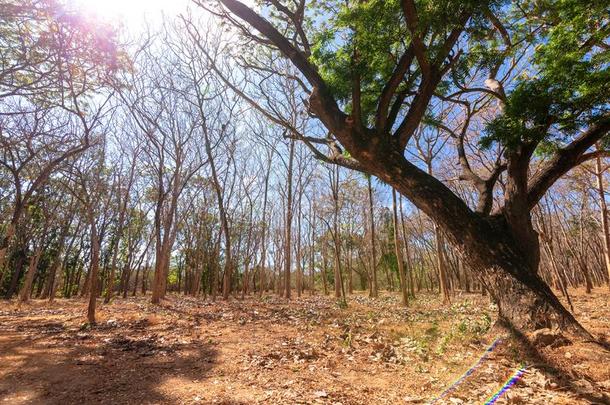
point(307, 351)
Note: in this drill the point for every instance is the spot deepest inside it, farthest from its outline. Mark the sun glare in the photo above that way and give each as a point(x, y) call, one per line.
point(128, 11)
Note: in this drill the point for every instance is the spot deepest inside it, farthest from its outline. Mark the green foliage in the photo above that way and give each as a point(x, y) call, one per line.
point(389, 261)
point(569, 86)
point(364, 39)
point(474, 326)
point(172, 277)
point(559, 45)
point(358, 39)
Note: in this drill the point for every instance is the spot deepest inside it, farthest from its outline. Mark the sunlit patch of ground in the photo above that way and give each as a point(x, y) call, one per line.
point(270, 351)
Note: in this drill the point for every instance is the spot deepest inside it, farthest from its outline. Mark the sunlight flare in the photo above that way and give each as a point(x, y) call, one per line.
point(128, 11)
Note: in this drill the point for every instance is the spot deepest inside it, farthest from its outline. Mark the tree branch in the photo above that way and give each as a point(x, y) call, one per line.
point(566, 159)
point(328, 110)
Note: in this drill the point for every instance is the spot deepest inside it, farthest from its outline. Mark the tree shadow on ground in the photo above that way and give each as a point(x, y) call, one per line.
point(565, 378)
point(128, 363)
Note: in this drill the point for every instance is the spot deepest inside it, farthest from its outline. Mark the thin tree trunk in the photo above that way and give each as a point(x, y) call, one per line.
point(324, 270)
point(339, 287)
point(26, 289)
point(299, 280)
point(374, 292)
point(398, 252)
point(604, 214)
point(263, 263)
point(224, 222)
point(288, 224)
point(312, 250)
point(8, 238)
point(94, 269)
point(405, 239)
point(115, 247)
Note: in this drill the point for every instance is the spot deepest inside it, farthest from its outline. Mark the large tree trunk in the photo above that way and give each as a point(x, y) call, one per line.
point(502, 249)
point(157, 286)
point(525, 302)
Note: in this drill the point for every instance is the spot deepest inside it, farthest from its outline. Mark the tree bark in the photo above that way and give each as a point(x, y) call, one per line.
point(502, 262)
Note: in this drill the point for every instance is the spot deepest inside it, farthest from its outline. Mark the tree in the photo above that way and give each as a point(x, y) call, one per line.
point(373, 280)
point(52, 63)
point(398, 252)
point(167, 124)
point(427, 145)
point(599, 176)
point(41, 216)
point(86, 181)
point(288, 222)
point(372, 105)
point(123, 184)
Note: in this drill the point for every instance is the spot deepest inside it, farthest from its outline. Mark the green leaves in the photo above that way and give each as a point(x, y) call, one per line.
point(361, 39)
point(570, 87)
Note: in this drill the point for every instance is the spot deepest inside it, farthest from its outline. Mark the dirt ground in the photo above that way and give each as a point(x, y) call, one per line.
point(308, 351)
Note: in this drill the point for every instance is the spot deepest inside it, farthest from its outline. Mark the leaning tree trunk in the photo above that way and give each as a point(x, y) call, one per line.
point(26, 289)
point(503, 255)
point(525, 302)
